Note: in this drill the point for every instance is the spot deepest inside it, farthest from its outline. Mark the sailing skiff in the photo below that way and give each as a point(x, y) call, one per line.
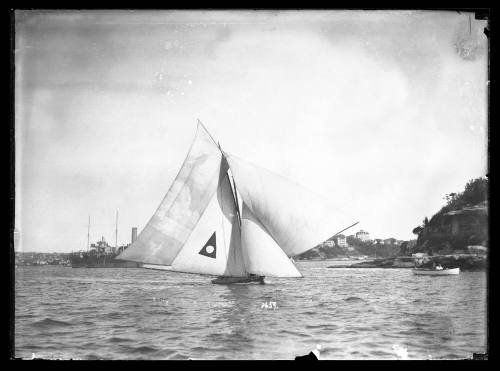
point(226, 217)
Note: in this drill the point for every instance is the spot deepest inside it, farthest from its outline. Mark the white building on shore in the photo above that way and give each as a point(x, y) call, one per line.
point(341, 240)
point(363, 235)
point(329, 243)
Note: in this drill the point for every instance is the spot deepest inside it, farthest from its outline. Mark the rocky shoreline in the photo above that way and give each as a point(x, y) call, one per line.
point(465, 262)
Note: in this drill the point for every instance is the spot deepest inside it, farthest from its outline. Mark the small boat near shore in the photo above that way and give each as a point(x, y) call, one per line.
point(436, 272)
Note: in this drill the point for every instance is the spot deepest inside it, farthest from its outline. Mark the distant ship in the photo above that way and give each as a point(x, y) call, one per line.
point(102, 255)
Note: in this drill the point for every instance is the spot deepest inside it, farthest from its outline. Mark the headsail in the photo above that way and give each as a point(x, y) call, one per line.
point(179, 212)
point(293, 216)
point(262, 255)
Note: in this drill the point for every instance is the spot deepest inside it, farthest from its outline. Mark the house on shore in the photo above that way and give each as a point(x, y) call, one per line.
point(363, 235)
point(328, 243)
point(341, 240)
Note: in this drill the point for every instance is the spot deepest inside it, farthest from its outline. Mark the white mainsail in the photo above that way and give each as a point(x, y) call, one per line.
point(296, 218)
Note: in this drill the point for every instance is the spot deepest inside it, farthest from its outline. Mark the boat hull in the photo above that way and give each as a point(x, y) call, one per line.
point(238, 280)
point(86, 260)
point(157, 267)
point(432, 272)
point(114, 264)
point(219, 280)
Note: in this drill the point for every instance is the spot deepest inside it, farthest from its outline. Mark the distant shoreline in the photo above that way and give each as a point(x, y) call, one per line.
point(467, 262)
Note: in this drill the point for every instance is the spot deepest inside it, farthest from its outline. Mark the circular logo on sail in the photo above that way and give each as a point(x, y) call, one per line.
point(210, 248)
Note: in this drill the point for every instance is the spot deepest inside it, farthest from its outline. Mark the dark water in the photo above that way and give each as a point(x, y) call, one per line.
point(61, 312)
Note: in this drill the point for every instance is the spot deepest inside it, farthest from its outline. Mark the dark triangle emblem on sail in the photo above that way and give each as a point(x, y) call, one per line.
point(210, 248)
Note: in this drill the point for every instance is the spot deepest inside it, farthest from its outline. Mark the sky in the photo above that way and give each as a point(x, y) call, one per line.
point(380, 112)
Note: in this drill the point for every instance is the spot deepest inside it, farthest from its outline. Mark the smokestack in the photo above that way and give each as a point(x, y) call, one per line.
point(134, 234)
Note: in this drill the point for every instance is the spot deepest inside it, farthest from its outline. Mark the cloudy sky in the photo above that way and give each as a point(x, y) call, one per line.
point(382, 113)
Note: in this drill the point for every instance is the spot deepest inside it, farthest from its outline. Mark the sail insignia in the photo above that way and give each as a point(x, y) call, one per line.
point(210, 248)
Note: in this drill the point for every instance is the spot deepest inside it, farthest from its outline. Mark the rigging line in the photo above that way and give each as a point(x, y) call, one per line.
point(344, 229)
point(88, 235)
point(222, 222)
point(235, 197)
point(116, 231)
point(210, 135)
point(237, 209)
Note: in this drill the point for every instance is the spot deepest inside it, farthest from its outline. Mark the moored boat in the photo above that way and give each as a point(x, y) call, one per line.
point(436, 272)
point(100, 255)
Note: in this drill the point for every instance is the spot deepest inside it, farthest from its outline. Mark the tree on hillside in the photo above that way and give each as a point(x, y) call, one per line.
point(406, 247)
point(475, 191)
point(353, 241)
point(417, 230)
point(450, 197)
point(439, 238)
point(420, 228)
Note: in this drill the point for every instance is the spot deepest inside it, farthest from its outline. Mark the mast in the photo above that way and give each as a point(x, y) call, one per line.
point(88, 235)
point(235, 196)
point(233, 184)
point(236, 199)
point(116, 232)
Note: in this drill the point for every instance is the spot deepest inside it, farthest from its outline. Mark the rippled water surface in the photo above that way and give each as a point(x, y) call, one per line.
point(61, 312)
